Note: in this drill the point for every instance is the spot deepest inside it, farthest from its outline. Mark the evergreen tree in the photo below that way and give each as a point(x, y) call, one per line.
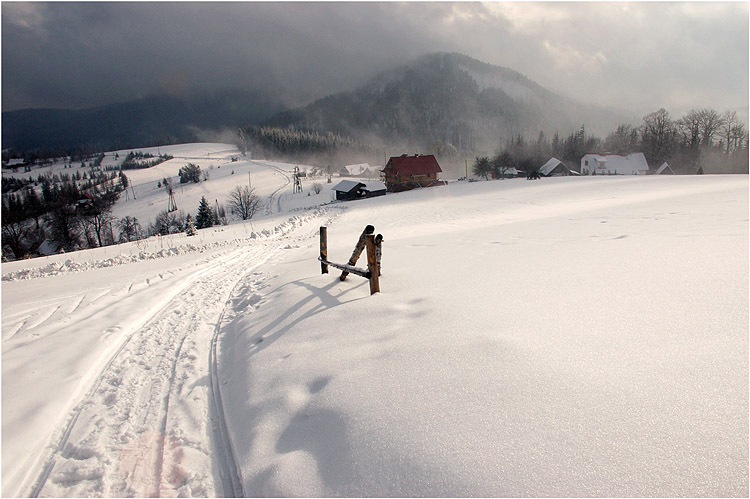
point(482, 167)
point(205, 216)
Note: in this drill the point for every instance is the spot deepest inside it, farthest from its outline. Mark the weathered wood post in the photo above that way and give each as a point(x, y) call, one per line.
point(369, 230)
point(372, 264)
point(379, 250)
point(323, 249)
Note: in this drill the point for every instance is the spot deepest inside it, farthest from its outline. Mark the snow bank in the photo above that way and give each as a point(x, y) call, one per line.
point(76, 265)
point(568, 337)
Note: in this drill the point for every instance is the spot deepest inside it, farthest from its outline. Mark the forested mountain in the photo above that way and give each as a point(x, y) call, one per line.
point(150, 121)
point(451, 99)
point(435, 102)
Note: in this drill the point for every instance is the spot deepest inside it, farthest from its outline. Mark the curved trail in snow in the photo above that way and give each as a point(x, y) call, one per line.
point(137, 403)
point(151, 422)
point(276, 195)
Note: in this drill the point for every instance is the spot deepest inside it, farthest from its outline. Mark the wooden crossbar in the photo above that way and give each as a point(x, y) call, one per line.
point(367, 241)
point(348, 268)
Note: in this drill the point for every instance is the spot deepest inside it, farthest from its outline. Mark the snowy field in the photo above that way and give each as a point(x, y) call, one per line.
point(566, 337)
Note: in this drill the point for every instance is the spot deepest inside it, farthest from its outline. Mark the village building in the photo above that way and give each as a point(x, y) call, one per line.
point(614, 164)
point(556, 168)
point(362, 170)
point(15, 163)
point(664, 169)
point(347, 190)
point(406, 172)
point(507, 173)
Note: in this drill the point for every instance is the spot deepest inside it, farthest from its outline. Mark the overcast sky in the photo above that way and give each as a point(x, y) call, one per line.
point(635, 56)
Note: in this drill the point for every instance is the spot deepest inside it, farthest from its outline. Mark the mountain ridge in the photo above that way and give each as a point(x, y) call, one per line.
point(442, 97)
point(449, 98)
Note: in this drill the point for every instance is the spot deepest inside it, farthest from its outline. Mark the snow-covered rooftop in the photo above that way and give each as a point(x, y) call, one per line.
point(549, 166)
point(615, 163)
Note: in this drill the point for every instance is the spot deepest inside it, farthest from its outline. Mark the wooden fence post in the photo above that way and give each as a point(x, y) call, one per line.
point(323, 249)
point(379, 250)
point(369, 230)
point(372, 264)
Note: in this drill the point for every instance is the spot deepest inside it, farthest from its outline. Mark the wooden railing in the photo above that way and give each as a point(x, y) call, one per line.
point(367, 242)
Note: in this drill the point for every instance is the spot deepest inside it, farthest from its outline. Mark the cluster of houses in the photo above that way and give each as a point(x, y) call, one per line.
point(407, 172)
point(401, 173)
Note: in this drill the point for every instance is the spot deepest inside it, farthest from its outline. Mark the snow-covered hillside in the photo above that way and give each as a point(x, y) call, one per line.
point(567, 337)
point(221, 164)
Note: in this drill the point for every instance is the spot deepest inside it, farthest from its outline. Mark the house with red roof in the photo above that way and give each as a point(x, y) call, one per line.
point(406, 172)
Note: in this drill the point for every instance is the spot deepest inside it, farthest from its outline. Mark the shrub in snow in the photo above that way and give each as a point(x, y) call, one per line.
point(190, 173)
point(190, 229)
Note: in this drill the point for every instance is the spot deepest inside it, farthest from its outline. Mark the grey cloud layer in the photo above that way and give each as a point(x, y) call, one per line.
point(633, 55)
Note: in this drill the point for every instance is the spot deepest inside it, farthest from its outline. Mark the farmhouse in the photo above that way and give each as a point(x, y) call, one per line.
point(349, 189)
point(555, 168)
point(408, 172)
point(614, 164)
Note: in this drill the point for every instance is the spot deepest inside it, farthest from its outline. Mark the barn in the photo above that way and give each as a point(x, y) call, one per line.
point(555, 168)
point(408, 172)
point(347, 190)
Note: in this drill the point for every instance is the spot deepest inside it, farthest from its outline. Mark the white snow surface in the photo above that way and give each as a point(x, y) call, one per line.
point(567, 337)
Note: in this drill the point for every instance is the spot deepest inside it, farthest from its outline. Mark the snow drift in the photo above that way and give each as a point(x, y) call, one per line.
point(568, 337)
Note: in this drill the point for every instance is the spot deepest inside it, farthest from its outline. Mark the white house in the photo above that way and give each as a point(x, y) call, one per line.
point(614, 164)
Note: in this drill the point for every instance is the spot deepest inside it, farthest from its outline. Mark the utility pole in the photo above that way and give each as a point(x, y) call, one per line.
point(466, 162)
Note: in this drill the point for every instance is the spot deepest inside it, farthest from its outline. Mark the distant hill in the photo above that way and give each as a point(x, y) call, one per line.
point(448, 98)
point(150, 121)
point(443, 98)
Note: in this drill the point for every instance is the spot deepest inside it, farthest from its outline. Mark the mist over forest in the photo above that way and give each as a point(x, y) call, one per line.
point(446, 104)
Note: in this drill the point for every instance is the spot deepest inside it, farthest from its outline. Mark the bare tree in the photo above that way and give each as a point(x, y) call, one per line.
point(15, 232)
point(624, 140)
point(63, 228)
point(710, 122)
point(690, 128)
point(658, 135)
point(732, 132)
point(130, 229)
point(95, 217)
point(167, 222)
point(740, 137)
point(502, 163)
point(243, 202)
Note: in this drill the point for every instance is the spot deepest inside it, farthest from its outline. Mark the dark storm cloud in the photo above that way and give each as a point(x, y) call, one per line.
point(59, 54)
point(636, 55)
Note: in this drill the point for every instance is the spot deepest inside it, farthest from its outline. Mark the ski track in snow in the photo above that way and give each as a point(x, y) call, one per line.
point(275, 195)
point(130, 435)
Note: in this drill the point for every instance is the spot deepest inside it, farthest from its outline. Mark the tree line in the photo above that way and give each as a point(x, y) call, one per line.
point(72, 217)
point(702, 138)
point(275, 142)
point(70, 214)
